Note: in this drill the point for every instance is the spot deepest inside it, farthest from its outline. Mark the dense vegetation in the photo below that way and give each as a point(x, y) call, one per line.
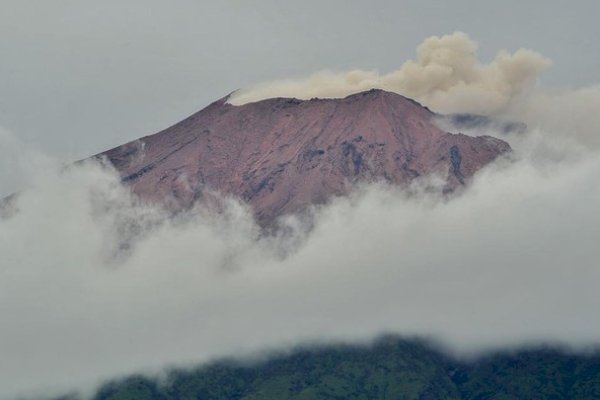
point(392, 368)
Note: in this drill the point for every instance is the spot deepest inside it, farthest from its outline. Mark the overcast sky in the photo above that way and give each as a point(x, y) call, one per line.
point(78, 77)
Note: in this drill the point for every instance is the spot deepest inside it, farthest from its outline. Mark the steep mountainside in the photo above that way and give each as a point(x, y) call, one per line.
point(280, 155)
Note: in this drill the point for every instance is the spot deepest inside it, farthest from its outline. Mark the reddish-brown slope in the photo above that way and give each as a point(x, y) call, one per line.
point(280, 155)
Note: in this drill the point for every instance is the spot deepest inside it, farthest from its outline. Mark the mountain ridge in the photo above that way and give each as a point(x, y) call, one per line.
point(390, 367)
point(281, 155)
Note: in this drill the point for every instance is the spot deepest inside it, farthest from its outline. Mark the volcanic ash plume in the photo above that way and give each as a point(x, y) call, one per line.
point(446, 76)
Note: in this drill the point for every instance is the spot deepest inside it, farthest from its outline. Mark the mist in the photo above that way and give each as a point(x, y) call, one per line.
point(95, 284)
point(511, 261)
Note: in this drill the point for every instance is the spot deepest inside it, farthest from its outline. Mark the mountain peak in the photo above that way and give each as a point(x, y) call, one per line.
point(376, 92)
point(282, 154)
point(367, 95)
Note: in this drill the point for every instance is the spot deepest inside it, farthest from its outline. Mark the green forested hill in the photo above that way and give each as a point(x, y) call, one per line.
point(393, 368)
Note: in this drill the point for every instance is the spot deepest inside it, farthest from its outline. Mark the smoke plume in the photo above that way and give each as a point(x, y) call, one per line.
point(446, 76)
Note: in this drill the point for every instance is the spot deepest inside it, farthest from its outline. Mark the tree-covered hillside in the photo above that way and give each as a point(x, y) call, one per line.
point(392, 368)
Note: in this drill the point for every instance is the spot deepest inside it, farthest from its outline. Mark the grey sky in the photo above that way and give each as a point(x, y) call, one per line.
point(77, 77)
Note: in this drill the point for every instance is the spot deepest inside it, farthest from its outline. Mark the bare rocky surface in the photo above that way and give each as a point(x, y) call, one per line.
point(280, 155)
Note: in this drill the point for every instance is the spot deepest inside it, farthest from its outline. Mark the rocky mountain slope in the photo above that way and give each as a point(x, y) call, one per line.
point(280, 155)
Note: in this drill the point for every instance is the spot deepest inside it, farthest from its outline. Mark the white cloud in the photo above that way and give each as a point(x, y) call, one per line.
point(511, 260)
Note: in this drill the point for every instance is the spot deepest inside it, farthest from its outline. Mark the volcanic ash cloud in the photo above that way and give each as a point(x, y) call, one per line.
point(446, 76)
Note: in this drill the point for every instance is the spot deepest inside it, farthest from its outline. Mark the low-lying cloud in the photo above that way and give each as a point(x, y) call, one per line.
point(446, 76)
point(510, 261)
point(94, 284)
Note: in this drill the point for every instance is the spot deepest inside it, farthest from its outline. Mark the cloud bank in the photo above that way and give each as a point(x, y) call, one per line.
point(446, 76)
point(95, 285)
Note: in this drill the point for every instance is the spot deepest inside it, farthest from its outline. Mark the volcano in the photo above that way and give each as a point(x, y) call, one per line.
point(282, 154)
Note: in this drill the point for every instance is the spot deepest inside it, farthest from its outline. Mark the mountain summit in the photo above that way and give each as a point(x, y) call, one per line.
point(280, 155)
